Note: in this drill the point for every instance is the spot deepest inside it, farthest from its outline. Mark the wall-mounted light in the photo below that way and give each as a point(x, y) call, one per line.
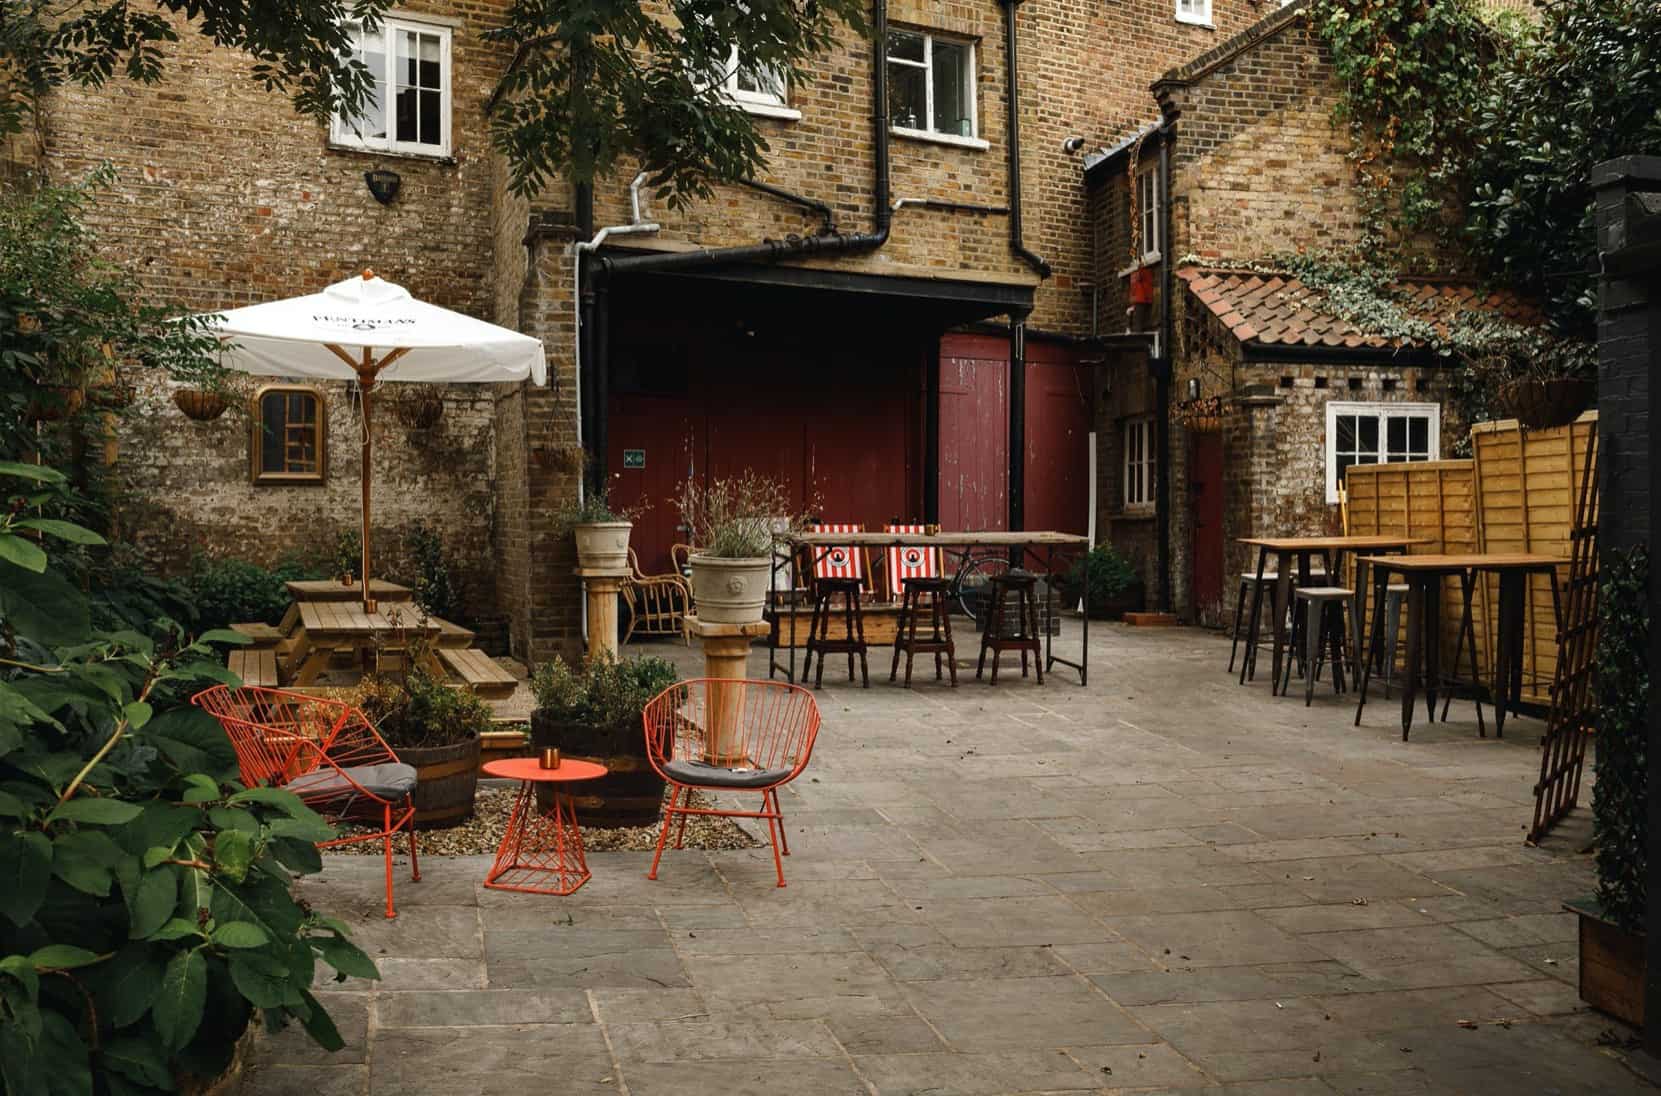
point(1193, 388)
point(383, 184)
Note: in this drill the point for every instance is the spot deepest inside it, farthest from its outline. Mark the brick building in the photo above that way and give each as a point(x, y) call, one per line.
point(1232, 395)
point(863, 354)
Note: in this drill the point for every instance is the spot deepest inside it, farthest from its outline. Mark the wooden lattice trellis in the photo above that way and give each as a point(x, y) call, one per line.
point(1570, 722)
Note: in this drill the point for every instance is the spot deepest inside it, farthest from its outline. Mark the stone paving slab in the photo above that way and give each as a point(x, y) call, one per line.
point(1164, 883)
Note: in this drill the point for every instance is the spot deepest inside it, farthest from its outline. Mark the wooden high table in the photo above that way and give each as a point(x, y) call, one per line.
point(1424, 575)
point(1286, 550)
point(1038, 544)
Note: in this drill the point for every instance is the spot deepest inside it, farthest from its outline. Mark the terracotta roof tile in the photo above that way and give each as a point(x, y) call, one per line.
point(1270, 308)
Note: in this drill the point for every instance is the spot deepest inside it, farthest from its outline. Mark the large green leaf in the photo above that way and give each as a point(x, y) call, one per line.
point(95, 812)
point(224, 635)
point(62, 957)
point(127, 985)
point(25, 553)
point(25, 869)
point(63, 530)
point(137, 1059)
point(320, 1025)
point(85, 860)
point(177, 1011)
point(265, 982)
point(240, 934)
point(44, 607)
point(233, 854)
point(152, 901)
point(40, 473)
point(193, 740)
point(67, 1071)
point(346, 957)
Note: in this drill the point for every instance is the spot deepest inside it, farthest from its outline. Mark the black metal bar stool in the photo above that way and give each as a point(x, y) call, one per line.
point(1324, 628)
point(1019, 587)
point(937, 640)
point(1242, 619)
point(853, 628)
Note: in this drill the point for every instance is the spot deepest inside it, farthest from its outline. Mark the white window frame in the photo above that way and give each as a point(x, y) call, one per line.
point(1139, 464)
point(344, 133)
point(762, 103)
point(973, 139)
point(1148, 211)
point(1195, 12)
point(1383, 412)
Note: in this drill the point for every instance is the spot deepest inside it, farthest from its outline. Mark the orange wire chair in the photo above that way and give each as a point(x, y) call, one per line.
point(729, 735)
point(327, 753)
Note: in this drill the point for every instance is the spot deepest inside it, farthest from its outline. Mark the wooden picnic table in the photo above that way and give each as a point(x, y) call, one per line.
point(326, 589)
point(1026, 542)
point(1424, 575)
point(1286, 550)
point(330, 626)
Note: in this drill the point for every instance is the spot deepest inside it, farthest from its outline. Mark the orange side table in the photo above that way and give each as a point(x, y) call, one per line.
point(541, 853)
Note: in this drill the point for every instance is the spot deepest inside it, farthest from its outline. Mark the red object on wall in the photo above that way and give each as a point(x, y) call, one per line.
point(1205, 473)
point(1141, 285)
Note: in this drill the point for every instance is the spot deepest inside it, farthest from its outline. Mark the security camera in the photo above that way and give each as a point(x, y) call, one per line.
point(1072, 145)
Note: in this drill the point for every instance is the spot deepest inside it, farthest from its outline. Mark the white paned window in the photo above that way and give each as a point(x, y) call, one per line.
point(764, 93)
point(1378, 433)
point(1194, 11)
point(1147, 211)
point(1139, 464)
point(931, 87)
point(408, 109)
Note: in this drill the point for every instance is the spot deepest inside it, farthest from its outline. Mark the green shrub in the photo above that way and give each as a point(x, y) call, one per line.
point(1620, 797)
point(600, 692)
point(434, 591)
point(145, 895)
point(347, 556)
point(229, 591)
point(420, 712)
point(1111, 573)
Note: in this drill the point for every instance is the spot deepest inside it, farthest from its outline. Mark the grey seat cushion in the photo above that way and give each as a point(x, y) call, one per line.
point(389, 780)
point(713, 776)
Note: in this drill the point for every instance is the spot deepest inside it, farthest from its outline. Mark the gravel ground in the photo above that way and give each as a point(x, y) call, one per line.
point(482, 833)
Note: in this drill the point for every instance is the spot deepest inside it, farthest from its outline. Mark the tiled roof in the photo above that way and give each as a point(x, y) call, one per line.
point(1269, 309)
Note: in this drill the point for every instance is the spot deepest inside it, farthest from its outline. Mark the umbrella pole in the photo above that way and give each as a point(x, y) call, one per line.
point(366, 384)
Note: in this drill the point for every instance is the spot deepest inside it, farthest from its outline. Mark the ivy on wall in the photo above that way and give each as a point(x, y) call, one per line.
point(1619, 810)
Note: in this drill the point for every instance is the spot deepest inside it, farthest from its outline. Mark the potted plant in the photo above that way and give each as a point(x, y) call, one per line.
point(601, 533)
point(732, 523)
point(348, 556)
point(1107, 581)
point(437, 730)
point(592, 712)
point(1612, 921)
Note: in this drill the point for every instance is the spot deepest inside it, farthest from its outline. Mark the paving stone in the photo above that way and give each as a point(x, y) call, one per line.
point(1058, 1011)
point(437, 932)
point(1194, 899)
point(795, 1078)
point(282, 1079)
point(291, 1045)
point(491, 1061)
point(1342, 916)
point(1343, 878)
point(975, 1074)
point(804, 986)
point(883, 1033)
point(761, 941)
point(1139, 1066)
point(466, 1008)
point(699, 1040)
point(398, 973)
point(1203, 984)
point(1547, 997)
point(1221, 938)
point(1106, 958)
point(918, 964)
point(990, 922)
point(582, 958)
point(1523, 931)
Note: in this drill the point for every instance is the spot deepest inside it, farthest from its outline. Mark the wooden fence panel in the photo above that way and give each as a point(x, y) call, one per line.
point(1527, 484)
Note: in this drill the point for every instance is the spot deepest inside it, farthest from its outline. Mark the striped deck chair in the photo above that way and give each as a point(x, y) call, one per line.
point(839, 560)
point(908, 561)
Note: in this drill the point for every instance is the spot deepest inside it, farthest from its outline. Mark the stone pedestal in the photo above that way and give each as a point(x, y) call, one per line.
point(602, 587)
point(726, 650)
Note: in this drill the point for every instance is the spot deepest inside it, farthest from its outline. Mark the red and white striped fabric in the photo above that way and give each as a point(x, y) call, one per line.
point(838, 560)
point(909, 560)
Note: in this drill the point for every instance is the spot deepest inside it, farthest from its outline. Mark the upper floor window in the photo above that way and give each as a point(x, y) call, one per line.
point(408, 109)
point(289, 435)
point(1378, 433)
point(765, 92)
point(1148, 220)
point(1194, 11)
point(1139, 463)
point(931, 86)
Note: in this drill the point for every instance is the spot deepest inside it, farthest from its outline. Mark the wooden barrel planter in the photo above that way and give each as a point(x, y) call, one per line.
point(631, 792)
point(446, 780)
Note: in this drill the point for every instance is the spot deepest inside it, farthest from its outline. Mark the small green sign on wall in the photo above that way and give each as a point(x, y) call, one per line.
point(634, 458)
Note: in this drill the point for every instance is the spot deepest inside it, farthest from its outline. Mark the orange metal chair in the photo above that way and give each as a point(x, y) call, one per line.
point(729, 735)
point(327, 753)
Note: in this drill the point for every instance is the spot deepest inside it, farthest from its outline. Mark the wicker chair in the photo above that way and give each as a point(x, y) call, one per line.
point(327, 753)
point(658, 604)
point(728, 735)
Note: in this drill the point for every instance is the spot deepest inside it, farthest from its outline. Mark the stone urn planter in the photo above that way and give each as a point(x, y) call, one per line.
point(1611, 964)
point(603, 545)
point(446, 781)
point(631, 792)
point(1539, 405)
point(199, 405)
point(730, 591)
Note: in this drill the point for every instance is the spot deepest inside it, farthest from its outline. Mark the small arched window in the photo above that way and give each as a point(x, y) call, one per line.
point(289, 443)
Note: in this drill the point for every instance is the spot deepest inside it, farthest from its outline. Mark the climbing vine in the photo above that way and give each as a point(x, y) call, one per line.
point(1620, 798)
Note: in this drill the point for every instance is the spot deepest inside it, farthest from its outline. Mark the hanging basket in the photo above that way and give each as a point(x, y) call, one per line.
point(1202, 416)
point(1542, 404)
point(114, 396)
point(199, 405)
point(419, 408)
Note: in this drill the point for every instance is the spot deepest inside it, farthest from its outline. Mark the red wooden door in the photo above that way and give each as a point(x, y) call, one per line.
point(1205, 492)
point(1058, 444)
point(655, 443)
point(974, 435)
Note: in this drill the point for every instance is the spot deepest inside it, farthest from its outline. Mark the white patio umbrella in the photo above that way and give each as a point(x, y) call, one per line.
point(369, 330)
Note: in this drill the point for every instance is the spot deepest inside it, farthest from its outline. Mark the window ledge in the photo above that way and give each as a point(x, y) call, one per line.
point(940, 138)
point(1195, 21)
point(1153, 258)
point(1134, 513)
point(445, 159)
point(770, 110)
